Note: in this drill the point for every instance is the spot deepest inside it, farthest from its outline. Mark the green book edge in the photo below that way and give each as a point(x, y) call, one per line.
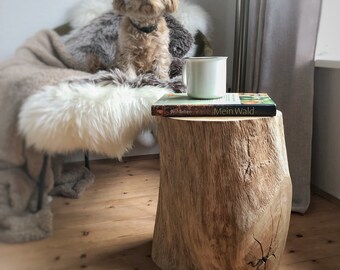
point(232, 104)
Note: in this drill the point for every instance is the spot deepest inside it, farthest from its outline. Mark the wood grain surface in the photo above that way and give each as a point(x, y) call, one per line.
point(225, 194)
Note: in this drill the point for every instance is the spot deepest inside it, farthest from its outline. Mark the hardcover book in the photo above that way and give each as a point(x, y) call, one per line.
point(232, 104)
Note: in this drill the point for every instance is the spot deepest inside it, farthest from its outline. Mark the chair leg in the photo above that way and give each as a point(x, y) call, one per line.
point(41, 183)
point(87, 160)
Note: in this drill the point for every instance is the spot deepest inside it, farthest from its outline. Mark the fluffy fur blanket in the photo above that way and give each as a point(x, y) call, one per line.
point(191, 16)
point(102, 113)
point(50, 106)
point(98, 40)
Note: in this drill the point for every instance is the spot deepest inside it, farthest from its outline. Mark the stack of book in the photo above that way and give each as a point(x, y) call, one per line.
point(232, 104)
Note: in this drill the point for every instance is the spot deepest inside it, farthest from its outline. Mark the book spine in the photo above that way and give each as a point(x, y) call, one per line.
point(223, 110)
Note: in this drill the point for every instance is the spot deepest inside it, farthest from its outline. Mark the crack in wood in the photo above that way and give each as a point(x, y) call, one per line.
point(263, 261)
point(247, 173)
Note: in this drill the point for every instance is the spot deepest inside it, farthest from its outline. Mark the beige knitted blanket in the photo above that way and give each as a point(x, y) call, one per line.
point(42, 60)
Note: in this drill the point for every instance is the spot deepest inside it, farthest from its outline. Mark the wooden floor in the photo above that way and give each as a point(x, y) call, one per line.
point(111, 227)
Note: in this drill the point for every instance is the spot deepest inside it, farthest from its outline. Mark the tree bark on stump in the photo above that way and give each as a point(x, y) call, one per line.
point(225, 193)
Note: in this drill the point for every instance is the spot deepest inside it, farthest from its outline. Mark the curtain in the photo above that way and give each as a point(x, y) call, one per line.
point(280, 61)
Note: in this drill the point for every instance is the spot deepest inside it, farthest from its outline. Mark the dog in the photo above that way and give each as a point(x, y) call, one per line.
point(143, 38)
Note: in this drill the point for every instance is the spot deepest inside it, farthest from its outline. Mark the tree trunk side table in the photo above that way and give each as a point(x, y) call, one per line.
point(225, 193)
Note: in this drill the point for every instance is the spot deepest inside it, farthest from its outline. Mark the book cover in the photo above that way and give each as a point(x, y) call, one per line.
point(232, 104)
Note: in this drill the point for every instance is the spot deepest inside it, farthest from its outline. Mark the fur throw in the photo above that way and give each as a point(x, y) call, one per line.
point(191, 16)
point(98, 40)
point(181, 41)
point(103, 113)
point(117, 78)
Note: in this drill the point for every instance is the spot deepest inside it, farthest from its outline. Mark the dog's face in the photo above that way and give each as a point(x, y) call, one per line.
point(145, 8)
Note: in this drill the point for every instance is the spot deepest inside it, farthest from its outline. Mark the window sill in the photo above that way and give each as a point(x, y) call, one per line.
point(327, 63)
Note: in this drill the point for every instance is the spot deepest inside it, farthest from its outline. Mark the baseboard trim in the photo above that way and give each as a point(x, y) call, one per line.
point(124, 159)
point(325, 195)
point(141, 157)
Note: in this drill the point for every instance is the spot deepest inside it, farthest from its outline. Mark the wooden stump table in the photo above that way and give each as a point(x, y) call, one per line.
point(225, 193)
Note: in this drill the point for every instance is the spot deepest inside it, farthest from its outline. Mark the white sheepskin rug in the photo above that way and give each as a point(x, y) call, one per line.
point(102, 119)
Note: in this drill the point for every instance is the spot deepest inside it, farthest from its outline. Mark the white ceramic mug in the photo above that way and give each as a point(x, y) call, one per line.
point(205, 77)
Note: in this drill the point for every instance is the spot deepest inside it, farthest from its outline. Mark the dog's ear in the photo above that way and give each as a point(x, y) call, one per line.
point(171, 5)
point(119, 6)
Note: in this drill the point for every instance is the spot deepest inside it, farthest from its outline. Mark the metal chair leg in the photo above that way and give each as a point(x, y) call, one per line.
point(87, 160)
point(41, 183)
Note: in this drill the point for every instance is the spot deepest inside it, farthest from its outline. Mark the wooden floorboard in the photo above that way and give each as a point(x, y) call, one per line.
point(111, 227)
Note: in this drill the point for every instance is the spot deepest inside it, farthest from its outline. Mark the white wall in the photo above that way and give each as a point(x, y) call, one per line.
point(328, 43)
point(20, 19)
point(326, 132)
